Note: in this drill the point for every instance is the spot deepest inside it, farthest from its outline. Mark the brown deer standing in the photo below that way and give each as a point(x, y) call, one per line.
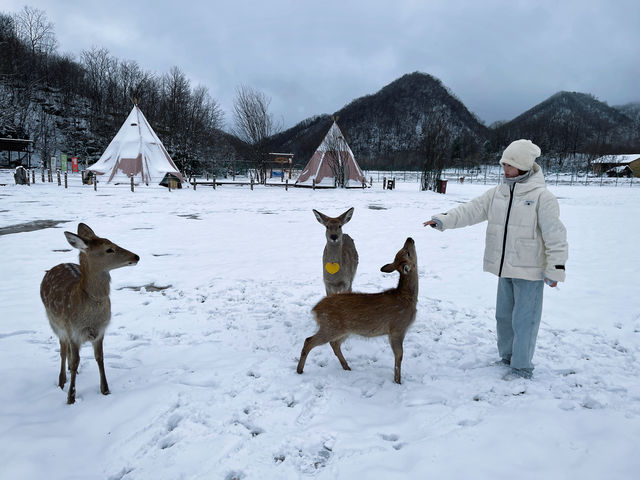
point(340, 258)
point(370, 314)
point(76, 298)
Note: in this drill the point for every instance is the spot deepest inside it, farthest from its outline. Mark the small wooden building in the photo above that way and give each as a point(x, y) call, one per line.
point(617, 163)
point(23, 149)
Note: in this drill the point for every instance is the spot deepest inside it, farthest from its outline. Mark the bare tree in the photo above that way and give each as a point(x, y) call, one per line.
point(436, 146)
point(336, 156)
point(254, 124)
point(100, 69)
point(34, 28)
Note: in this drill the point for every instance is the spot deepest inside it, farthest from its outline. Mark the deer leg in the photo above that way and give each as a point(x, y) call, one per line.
point(336, 349)
point(99, 356)
point(62, 378)
point(318, 339)
point(396, 346)
point(74, 361)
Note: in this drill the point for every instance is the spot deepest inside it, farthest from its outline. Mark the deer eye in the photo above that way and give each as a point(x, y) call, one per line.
point(110, 250)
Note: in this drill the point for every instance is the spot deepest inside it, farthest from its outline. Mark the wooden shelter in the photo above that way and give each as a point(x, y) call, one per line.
point(615, 163)
point(22, 147)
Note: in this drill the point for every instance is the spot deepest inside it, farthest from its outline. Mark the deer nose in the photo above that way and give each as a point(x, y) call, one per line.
point(333, 237)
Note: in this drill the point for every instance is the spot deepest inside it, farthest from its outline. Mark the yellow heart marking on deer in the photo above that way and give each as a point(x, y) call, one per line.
point(332, 267)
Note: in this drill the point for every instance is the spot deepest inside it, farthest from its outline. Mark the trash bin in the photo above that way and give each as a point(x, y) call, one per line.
point(441, 186)
point(87, 177)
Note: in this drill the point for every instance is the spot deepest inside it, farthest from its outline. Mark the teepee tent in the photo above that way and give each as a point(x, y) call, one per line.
point(135, 151)
point(332, 160)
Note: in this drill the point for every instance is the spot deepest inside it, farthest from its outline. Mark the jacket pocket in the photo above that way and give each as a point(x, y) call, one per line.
point(528, 253)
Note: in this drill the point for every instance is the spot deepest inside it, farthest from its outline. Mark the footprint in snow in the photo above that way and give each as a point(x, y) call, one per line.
point(235, 475)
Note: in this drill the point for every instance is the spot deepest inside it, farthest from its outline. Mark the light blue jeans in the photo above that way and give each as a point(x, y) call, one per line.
point(518, 314)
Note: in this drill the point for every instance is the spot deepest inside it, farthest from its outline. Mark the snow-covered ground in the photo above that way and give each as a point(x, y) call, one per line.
point(202, 372)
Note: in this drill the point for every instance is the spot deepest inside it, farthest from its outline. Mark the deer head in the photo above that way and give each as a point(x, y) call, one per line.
point(334, 225)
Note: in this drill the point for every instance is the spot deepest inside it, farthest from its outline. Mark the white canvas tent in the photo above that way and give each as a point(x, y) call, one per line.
point(135, 151)
point(332, 157)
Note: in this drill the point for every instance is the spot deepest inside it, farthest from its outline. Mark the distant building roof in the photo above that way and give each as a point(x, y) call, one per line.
point(618, 159)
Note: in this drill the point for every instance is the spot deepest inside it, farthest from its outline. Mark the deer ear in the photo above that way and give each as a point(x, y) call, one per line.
point(75, 241)
point(388, 268)
point(321, 218)
point(346, 216)
point(85, 232)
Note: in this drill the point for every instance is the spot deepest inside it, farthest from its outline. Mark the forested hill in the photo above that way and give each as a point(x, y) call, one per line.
point(76, 106)
point(388, 128)
point(571, 122)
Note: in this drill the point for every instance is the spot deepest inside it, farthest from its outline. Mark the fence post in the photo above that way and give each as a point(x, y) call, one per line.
point(214, 182)
point(65, 179)
point(95, 183)
point(59, 181)
point(43, 175)
point(132, 184)
point(286, 185)
point(251, 182)
point(33, 176)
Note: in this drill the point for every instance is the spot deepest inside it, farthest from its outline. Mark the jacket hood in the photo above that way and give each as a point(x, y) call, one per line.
point(536, 180)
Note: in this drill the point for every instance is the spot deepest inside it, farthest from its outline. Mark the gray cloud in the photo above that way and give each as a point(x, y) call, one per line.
point(499, 57)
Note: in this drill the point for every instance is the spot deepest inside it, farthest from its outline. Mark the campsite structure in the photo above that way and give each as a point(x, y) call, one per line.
point(136, 152)
point(332, 164)
point(618, 165)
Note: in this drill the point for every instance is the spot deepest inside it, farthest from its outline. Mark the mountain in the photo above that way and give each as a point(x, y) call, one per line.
point(386, 129)
point(570, 122)
point(631, 110)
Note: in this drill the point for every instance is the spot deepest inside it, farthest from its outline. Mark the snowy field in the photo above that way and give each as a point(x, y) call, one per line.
point(207, 329)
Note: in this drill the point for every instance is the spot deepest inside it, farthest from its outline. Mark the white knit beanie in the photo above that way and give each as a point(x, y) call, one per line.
point(521, 154)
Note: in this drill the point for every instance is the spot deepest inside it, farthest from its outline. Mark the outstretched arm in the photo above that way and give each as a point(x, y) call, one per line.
point(469, 213)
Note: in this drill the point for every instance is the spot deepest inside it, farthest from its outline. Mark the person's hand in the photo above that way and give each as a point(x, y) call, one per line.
point(551, 283)
point(430, 223)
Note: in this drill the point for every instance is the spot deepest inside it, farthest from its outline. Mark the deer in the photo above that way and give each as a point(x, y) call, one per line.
point(340, 257)
point(77, 304)
point(390, 312)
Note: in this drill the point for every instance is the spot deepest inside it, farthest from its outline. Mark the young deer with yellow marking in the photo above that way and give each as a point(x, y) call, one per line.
point(76, 299)
point(370, 314)
point(340, 258)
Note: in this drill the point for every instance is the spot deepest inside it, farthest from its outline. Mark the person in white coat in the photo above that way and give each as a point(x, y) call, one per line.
point(525, 246)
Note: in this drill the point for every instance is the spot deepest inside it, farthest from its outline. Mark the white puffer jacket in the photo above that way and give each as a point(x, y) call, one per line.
point(525, 237)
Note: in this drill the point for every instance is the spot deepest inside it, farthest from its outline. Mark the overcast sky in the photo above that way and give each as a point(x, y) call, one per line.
point(500, 57)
